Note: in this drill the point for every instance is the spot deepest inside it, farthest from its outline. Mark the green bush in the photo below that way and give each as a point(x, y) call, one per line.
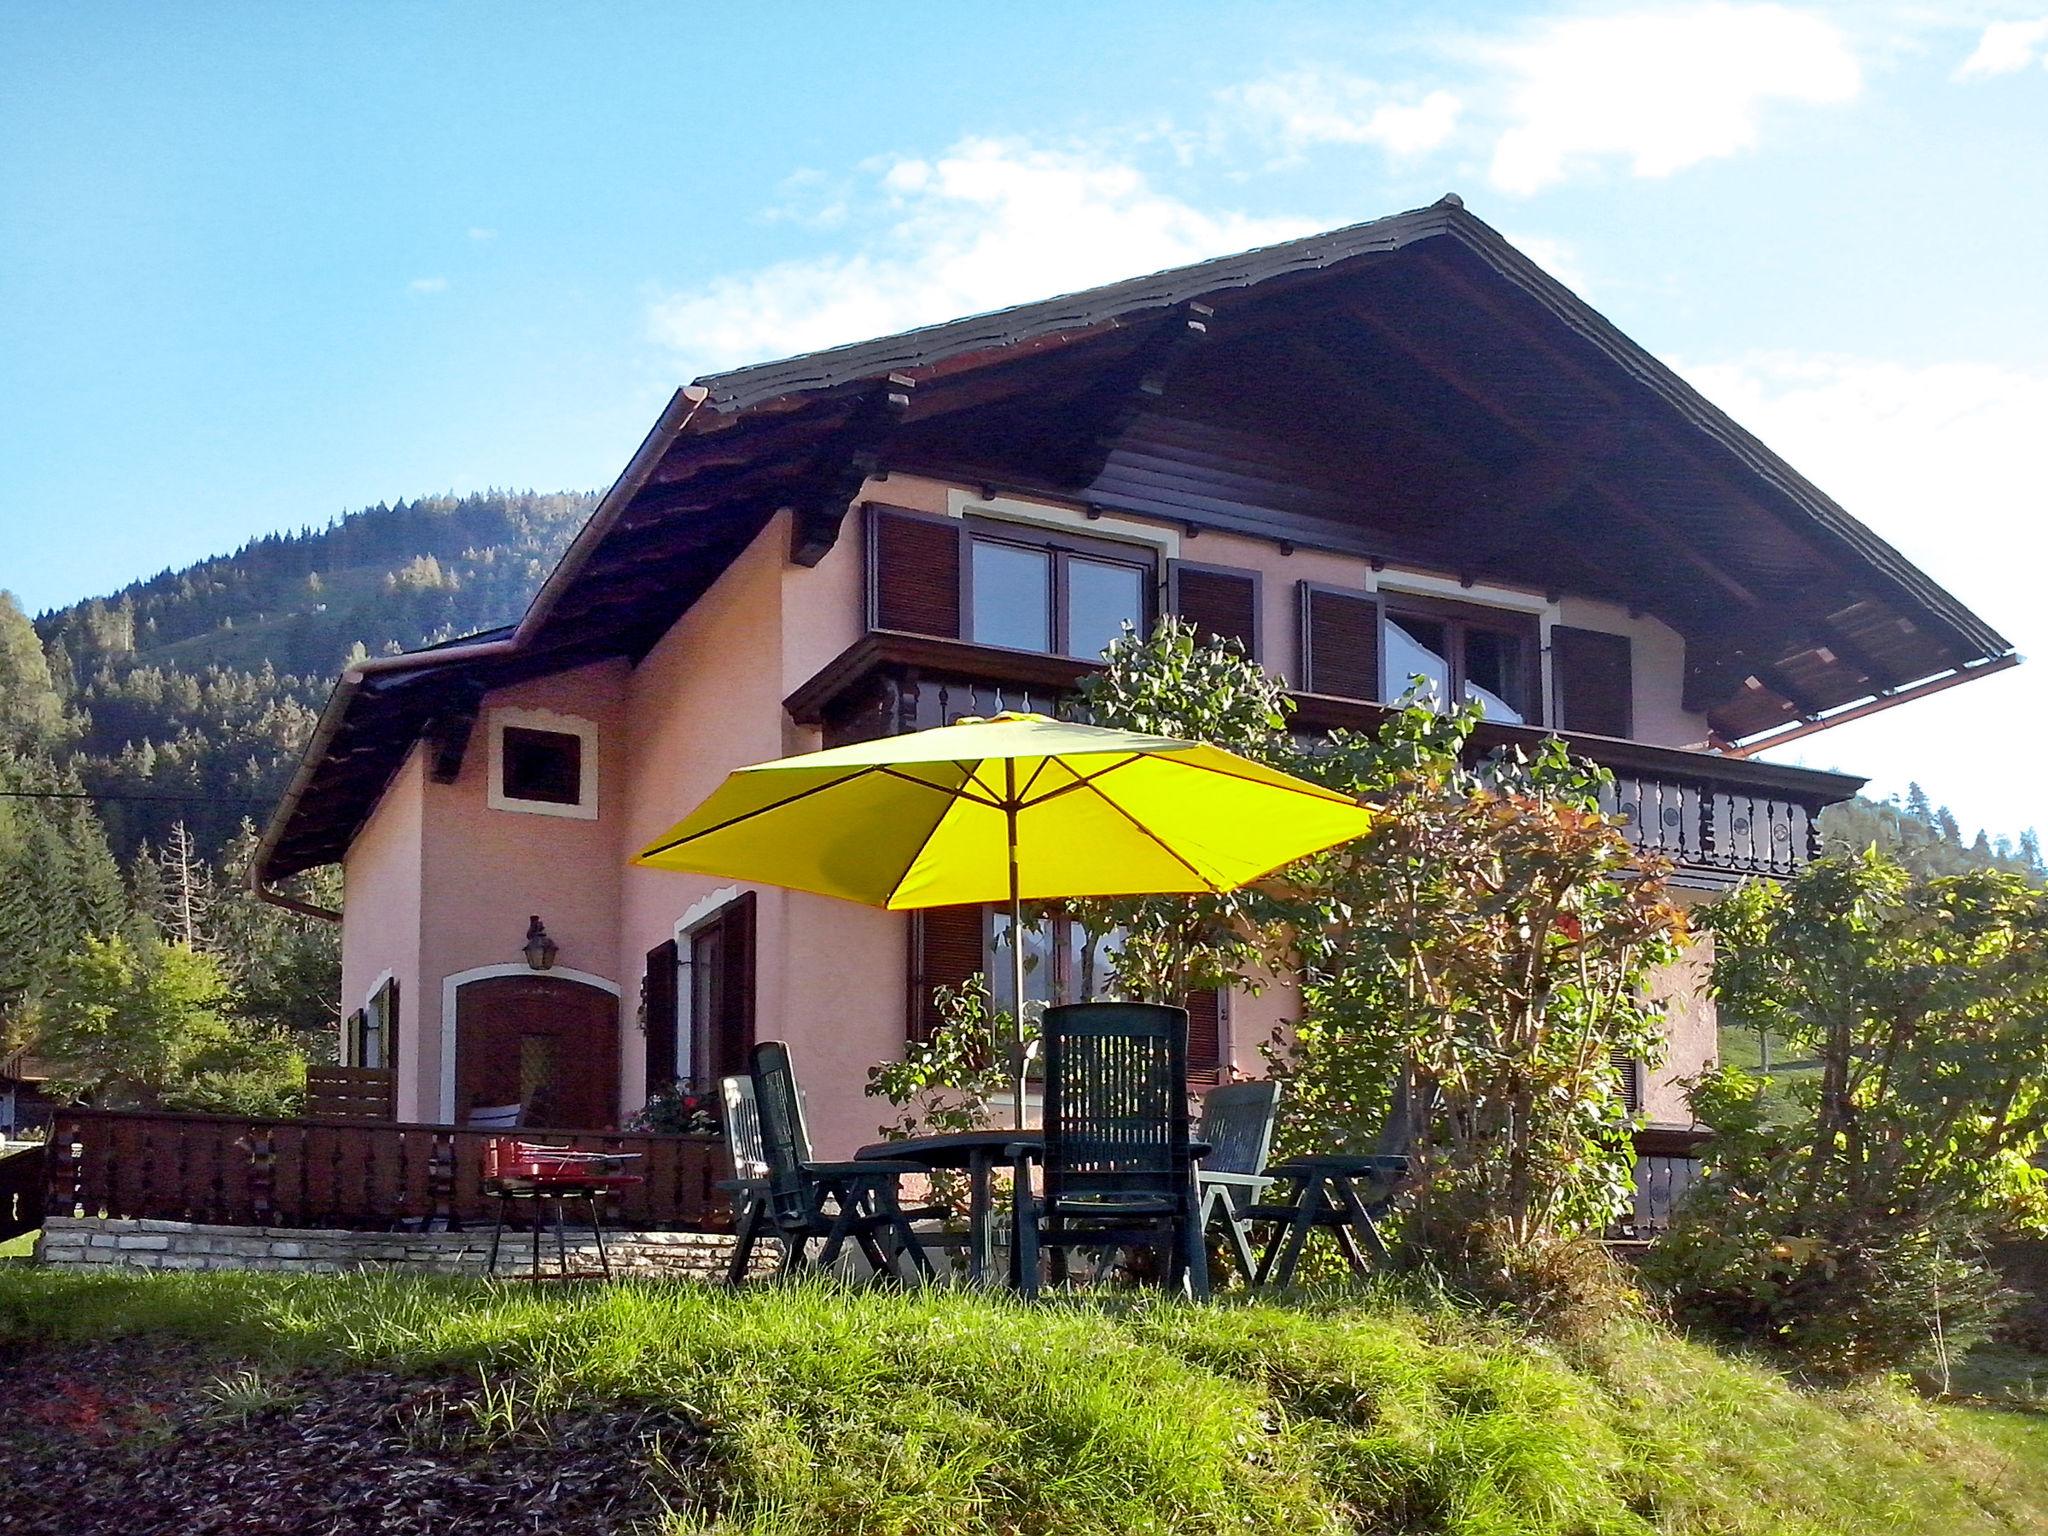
point(1852, 1234)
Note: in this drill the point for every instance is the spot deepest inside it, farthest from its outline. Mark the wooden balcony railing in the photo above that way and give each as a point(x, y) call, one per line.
point(1718, 819)
point(233, 1171)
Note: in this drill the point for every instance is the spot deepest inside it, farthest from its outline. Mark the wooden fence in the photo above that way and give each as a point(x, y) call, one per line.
point(351, 1095)
point(234, 1171)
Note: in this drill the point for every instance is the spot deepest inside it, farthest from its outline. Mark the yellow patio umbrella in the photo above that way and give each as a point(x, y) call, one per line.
point(1014, 808)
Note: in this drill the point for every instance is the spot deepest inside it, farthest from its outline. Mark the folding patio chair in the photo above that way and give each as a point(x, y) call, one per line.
point(749, 1184)
point(1237, 1124)
point(1117, 1166)
point(834, 1201)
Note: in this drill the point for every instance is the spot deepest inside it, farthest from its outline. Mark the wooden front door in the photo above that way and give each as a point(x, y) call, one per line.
point(543, 1042)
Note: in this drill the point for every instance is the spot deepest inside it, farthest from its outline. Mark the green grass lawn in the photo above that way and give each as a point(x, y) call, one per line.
point(833, 1412)
point(1740, 1048)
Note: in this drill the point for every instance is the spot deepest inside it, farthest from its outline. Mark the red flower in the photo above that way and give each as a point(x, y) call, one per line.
point(1568, 924)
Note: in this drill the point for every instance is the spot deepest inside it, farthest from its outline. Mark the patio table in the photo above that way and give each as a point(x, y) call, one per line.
point(1333, 1191)
point(978, 1153)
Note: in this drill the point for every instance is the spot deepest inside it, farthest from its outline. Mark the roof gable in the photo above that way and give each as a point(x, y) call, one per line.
point(1412, 389)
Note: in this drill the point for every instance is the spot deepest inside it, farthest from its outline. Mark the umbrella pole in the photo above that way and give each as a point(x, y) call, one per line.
point(1017, 1072)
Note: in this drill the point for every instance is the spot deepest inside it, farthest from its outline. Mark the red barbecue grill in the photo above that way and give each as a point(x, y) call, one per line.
point(525, 1170)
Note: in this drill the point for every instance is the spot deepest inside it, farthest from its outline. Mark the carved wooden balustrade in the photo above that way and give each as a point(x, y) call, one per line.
point(1718, 819)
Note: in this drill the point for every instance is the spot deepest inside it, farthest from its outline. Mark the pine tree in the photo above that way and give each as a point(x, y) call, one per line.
point(1918, 806)
point(1945, 822)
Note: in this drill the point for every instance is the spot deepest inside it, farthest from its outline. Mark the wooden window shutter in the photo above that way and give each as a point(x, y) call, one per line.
point(946, 949)
point(1205, 1036)
point(1216, 599)
point(914, 572)
point(1340, 642)
point(352, 1038)
point(735, 1024)
point(1593, 682)
point(1630, 1071)
point(658, 1002)
point(391, 1024)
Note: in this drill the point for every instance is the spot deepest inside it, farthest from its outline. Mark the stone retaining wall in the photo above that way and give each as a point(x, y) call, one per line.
point(76, 1243)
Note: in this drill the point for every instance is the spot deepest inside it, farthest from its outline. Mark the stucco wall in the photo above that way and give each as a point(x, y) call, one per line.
point(706, 700)
point(483, 871)
point(439, 883)
point(1692, 1031)
point(381, 893)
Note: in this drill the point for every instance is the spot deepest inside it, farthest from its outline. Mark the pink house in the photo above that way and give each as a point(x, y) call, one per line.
point(1397, 448)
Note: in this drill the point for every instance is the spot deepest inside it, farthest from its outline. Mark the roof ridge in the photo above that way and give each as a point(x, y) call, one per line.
point(803, 371)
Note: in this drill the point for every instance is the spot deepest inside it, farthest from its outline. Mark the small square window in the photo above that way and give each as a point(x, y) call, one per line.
point(546, 766)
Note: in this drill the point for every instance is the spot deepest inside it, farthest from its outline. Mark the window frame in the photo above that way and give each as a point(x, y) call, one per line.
point(1061, 548)
point(546, 720)
point(1457, 618)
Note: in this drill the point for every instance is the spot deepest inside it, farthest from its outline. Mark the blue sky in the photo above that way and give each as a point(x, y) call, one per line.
point(262, 264)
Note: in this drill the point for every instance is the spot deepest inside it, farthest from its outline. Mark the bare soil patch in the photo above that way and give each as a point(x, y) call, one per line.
point(133, 1437)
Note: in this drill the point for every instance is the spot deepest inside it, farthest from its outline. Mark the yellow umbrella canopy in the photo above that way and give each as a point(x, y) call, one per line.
point(1015, 808)
point(929, 819)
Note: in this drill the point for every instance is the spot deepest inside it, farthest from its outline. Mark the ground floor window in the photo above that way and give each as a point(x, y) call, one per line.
point(1063, 961)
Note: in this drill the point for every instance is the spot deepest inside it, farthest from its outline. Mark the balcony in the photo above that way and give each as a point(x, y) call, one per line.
point(1718, 819)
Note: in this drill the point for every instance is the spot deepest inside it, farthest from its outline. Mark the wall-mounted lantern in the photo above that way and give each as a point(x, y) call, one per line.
point(539, 949)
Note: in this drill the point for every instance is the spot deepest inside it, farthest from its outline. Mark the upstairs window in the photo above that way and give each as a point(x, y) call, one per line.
point(543, 763)
point(1030, 590)
point(1462, 653)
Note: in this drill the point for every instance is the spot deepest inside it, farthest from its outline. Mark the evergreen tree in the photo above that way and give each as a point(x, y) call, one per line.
point(31, 711)
point(1918, 806)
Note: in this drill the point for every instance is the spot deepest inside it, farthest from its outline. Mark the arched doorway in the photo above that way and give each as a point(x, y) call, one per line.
point(547, 1043)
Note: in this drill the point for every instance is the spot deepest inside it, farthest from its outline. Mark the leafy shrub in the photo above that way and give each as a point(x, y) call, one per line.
point(952, 1079)
point(1854, 1236)
point(1475, 964)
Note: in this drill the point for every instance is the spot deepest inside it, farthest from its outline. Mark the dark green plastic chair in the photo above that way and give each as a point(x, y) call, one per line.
point(1237, 1125)
point(1116, 1163)
point(807, 1199)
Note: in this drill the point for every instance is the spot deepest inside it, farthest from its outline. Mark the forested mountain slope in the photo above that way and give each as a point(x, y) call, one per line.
point(196, 688)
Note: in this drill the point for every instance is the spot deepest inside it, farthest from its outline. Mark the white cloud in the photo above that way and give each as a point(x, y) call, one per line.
point(1560, 258)
point(1301, 108)
point(1943, 462)
point(2007, 47)
point(427, 285)
point(988, 223)
point(478, 232)
point(1660, 89)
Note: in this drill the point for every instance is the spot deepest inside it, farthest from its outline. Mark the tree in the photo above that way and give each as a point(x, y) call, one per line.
point(142, 1025)
point(1175, 684)
point(1918, 806)
point(31, 711)
point(1485, 947)
point(1853, 1235)
point(58, 881)
point(1484, 944)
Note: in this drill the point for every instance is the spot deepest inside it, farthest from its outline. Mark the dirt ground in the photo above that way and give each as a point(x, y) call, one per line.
point(130, 1438)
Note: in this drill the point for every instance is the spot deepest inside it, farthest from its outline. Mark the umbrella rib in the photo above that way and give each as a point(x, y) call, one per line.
point(1024, 794)
point(1084, 781)
point(961, 793)
point(759, 810)
point(1173, 853)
